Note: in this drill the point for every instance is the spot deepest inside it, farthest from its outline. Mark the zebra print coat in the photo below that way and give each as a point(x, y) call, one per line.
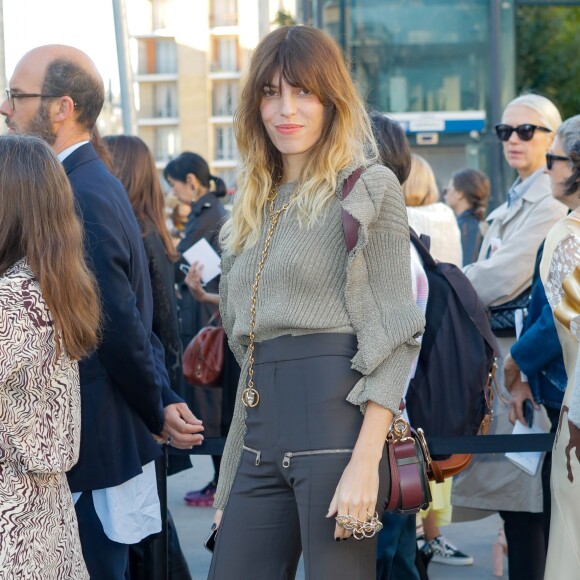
point(39, 438)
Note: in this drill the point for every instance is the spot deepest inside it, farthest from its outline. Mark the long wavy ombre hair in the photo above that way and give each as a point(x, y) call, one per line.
point(308, 58)
point(38, 221)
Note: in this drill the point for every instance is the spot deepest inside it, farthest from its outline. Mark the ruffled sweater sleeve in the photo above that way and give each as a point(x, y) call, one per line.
point(378, 290)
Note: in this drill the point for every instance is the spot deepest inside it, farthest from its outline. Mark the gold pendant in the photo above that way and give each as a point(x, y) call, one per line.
point(250, 397)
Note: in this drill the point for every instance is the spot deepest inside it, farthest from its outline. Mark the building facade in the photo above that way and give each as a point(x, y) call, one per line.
point(188, 58)
point(444, 68)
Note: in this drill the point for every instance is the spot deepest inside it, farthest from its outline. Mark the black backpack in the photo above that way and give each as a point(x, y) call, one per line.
point(451, 391)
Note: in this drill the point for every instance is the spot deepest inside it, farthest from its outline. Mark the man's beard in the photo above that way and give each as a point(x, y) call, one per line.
point(41, 126)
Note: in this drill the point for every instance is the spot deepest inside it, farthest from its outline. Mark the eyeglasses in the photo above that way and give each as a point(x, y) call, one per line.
point(551, 158)
point(524, 132)
point(11, 97)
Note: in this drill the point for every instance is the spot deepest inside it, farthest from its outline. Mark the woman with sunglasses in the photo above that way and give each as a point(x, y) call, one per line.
point(502, 273)
point(560, 272)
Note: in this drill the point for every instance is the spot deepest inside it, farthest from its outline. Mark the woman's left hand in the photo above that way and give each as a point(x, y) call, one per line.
point(356, 494)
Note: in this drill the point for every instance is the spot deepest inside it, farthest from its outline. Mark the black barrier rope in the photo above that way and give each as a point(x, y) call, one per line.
point(437, 445)
point(157, 563)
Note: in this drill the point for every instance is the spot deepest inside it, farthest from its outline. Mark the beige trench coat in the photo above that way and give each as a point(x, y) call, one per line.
point(492, 483)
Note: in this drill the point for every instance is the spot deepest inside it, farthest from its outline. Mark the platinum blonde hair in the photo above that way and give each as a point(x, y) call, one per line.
point(569, 133)
point(549, 114)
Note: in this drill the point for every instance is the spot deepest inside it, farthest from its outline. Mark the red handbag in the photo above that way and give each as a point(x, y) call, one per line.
point(409, 461)
point(203, 358)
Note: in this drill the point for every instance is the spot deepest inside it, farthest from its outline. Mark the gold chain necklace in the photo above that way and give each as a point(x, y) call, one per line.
point(250, 396)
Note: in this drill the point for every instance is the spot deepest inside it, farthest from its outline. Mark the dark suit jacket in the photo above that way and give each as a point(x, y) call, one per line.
point(124, 384)
point(538, 351)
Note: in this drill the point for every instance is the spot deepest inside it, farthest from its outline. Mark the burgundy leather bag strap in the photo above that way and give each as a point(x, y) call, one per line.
point(409, 474)
point(405, 476)
point(349, 224)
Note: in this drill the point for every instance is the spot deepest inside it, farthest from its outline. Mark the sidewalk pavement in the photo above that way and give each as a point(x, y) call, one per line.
point(193, 526)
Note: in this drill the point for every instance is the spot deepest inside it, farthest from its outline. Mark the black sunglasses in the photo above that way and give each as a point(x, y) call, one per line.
point(525, 132)
point(551, 158)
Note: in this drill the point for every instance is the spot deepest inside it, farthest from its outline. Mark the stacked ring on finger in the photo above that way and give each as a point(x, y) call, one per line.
point(360, 530)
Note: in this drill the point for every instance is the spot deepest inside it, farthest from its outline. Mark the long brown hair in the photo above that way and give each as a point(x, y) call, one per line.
point(38, 221)
point(309, 58)
point(475, 187)
point(134, 166)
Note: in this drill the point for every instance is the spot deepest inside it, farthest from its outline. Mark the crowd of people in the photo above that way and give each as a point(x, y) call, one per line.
point(98, 304)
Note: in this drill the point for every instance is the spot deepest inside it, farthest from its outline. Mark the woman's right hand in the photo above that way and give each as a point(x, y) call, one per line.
point(193, 281)
point(217, 519)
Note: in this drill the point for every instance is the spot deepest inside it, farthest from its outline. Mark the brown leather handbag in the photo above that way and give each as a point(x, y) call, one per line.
point(203, 358)
point(440, 470)
point(409, 462)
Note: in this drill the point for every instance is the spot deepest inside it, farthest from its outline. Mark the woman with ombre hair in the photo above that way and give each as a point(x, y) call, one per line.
point(49, 319)
point(325, 337)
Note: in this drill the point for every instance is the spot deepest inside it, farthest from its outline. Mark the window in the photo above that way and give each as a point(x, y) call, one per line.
point(166, 56)
point(225, 144)
point(157, 56)
point(224, 98)
point(225, 54)
point(161, 14)
point(165, 100)
point(224, 13)
point(229, 177)
point(166, 143)
point(425, 55)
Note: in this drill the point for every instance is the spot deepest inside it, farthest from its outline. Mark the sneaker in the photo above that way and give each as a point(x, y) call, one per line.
point(444, 552)
point(201, 497)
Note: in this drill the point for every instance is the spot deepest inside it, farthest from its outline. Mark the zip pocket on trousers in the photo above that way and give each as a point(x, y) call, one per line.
point(257, 453)
point(288, 456)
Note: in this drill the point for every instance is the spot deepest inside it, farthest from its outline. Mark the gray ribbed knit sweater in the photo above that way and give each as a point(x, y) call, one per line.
point(309, 284)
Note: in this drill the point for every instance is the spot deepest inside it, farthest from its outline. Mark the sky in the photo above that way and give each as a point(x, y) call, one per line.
point(85, 24)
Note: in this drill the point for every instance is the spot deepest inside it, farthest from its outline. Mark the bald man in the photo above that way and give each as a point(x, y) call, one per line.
point(127, 407)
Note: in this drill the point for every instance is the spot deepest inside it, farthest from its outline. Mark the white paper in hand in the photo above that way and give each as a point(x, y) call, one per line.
point(529, 461)
point(203, 253)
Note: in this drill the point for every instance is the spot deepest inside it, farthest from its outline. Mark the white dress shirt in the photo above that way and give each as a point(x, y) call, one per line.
point(130, 511)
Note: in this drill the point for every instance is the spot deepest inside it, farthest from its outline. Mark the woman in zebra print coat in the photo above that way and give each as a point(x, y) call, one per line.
point(49, 319)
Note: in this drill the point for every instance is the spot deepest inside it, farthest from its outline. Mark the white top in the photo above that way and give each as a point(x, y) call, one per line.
point(439, 223)
point(130, 511)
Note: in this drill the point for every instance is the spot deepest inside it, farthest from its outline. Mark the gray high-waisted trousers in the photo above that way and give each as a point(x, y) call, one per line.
point(299, 439)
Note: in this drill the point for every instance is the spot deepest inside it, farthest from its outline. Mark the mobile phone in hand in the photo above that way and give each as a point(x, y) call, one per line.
point(528, 413)
point(209, 544)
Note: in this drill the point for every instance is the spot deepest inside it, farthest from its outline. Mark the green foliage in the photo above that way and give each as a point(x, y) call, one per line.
point(548, 51)
point(284, 18)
